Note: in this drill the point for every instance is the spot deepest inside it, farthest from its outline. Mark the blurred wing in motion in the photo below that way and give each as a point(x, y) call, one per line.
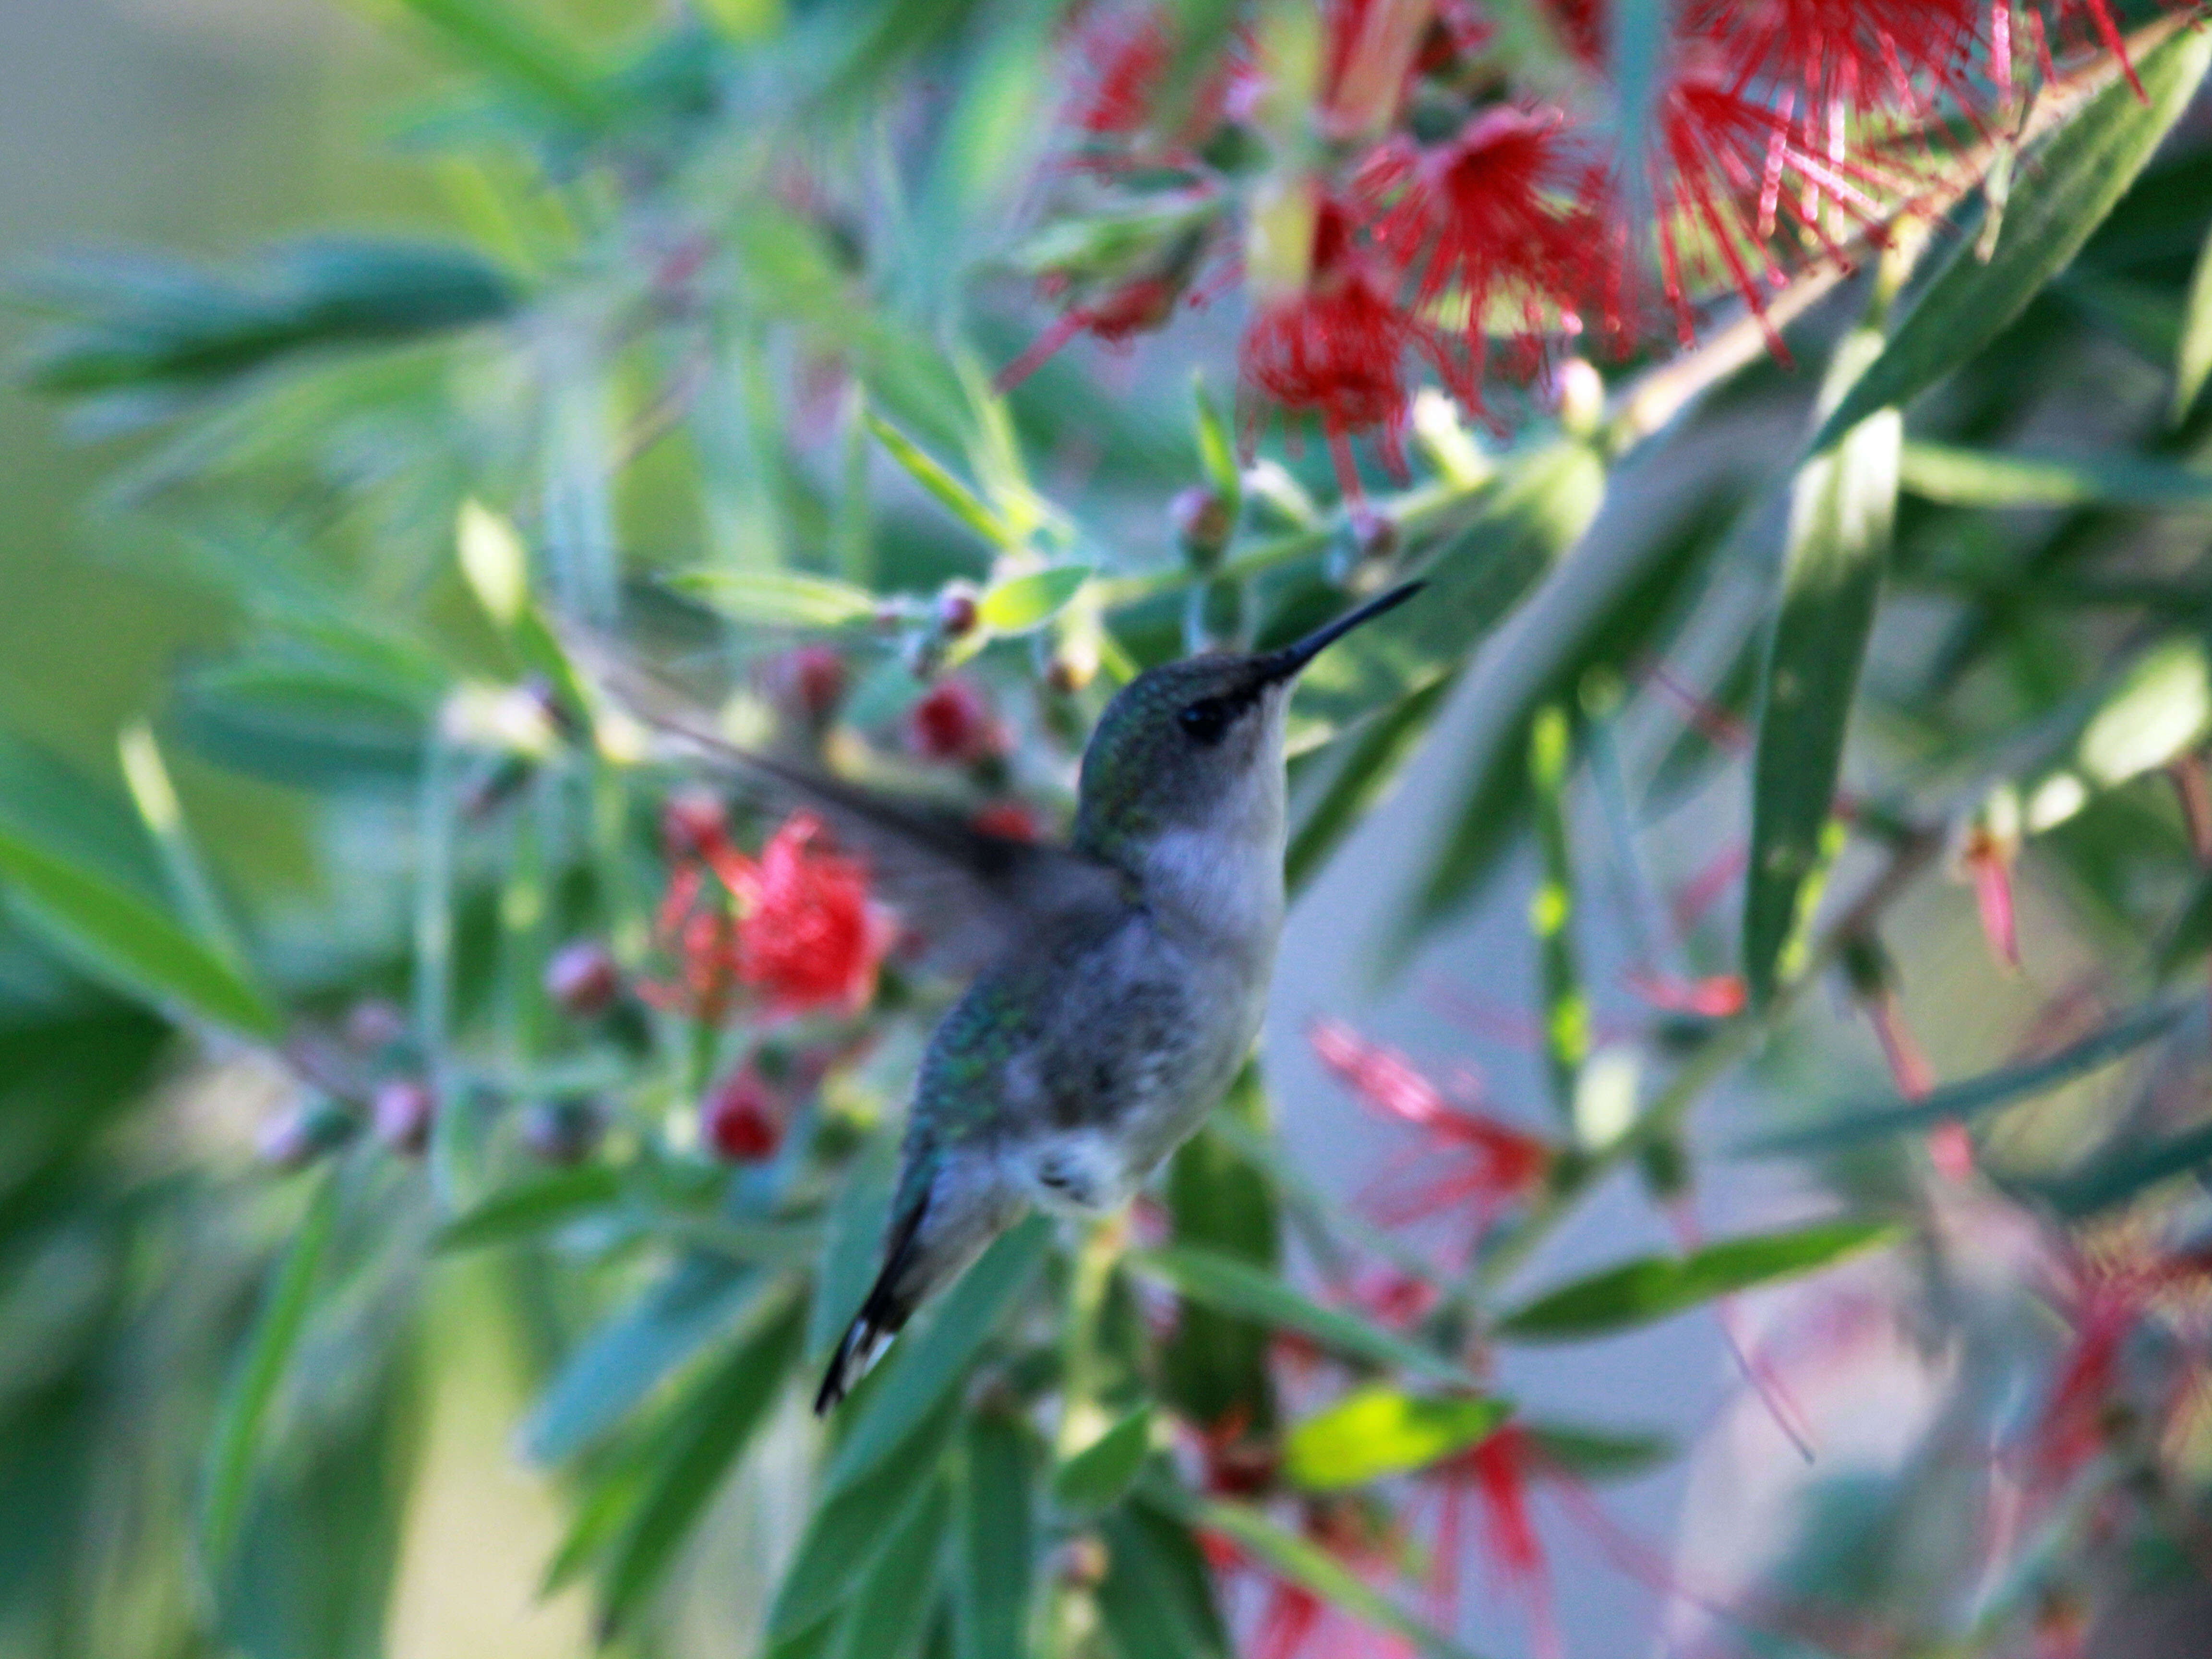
point(967, 894)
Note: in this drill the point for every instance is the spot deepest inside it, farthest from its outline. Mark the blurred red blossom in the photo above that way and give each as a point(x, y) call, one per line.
point(794, 926)
point(1467, 1158)
point(742, 1118)
point(953, 723)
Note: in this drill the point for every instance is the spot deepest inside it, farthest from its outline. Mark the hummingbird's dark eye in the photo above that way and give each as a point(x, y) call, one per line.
point(1204, 720)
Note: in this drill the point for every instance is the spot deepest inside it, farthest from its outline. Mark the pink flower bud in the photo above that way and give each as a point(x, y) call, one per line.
point(742, 1119)
point(953, 723)
point(401, 1113)
point(956, 611)
point(582, 978)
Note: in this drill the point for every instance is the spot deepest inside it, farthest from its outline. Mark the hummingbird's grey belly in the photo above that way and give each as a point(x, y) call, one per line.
point(1129, 1044)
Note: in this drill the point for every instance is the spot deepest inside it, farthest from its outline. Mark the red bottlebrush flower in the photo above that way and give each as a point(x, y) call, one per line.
point(953, 723)
point(1716, 996)
point(1581, 24)
point(1497, 1475)
point(742, 1119)
point(2102, 26)
point(1292, 1622)
point(1336, 349)
point(1488, 1164)
point(1834, 58)
point(1983, 855)
point(1501, 211)
point(807, 937)
point(1122, 311)
point(1126, 58)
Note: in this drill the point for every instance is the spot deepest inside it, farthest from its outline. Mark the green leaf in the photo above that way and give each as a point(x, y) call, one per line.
point(1228, 1285)
point(852, 1240)
point(997, 1545)
point(2063, 192)
point(851, 1524)
point(300, 721)
point(2193, 356)
point(1096, 1477)
point(1971, 477)
point(779, 598)
point(1375, 1432)
point(1157, 1599)
point(618, 1365)
point(926, 469)
point(533, 1207)
point(1302, 1562)
point(1659, 1286)
point(886, 1618)
point(1842, 511)
point(512, 48)
point(236, 1440)
point(126, 941)
point(1217, 449)
point(1598, 1453)
point(1538, 508)
point(930, 1361)
point(711, 1432)
point(2112, 1180)
point(1956, 1102)
point(1371, 760)
point(1021, 602)
point(1216, 1363)
point(1611, 627)
point(1566, 1004)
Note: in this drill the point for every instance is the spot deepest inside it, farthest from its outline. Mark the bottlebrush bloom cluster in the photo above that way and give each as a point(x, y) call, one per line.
point(794, 928)
point(1427, 207)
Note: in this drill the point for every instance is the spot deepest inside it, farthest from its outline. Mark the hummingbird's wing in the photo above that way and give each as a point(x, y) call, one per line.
point(968, 894)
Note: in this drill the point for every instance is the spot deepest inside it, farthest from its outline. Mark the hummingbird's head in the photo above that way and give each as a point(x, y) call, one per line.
point(1197, 745)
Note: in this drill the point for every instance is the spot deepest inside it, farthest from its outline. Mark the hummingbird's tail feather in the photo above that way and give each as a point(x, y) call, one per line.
point(892, 1298)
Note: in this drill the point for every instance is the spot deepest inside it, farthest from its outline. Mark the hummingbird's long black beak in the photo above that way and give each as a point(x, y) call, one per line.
point(1281, 664)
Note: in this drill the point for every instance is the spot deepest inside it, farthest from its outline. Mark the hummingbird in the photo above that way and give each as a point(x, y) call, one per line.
point(1119, 979)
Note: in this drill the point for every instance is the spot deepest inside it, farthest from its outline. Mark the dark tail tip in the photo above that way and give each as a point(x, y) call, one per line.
point(880, 1319)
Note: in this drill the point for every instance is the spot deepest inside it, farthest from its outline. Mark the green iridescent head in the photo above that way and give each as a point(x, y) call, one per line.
point(1184, 744)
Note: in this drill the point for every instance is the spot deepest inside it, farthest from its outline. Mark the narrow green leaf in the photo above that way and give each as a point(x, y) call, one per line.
point(1375, 1432)
point(713, 1428)
point(1157, 1599)
point(1598, 1453)
point(929, 1362)
point(236, 1441)
point(851, 1525)
point(511, 47)
point(1971, 477)
point(2112, 1180)
point(1540, 504)
point(2063, 191)
point(1659, 1286)
point(623, 1360)
point(1842, 509)
point(1228, 1285)
point(997, 1541)
point(125, 941)
point(1566, 1010)
point(852, 1240)
point(1217, 450)
point(886, 1618)
point(1096, 1477)
point(532, 1207)
point(1305, 1563)
point(1373, 757)
point(1215, 1364)
point(964, 503)
point(2193, 356)
point(779, 598)
point(1021, 602)
point(1955, 1101)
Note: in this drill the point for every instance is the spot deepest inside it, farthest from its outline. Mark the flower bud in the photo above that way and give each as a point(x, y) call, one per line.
point(582, 979)
point(563, 1132)
point(952, 723)
point(691, 822)
point(294, 1139)
point(373, 1024)
point(808, 683)
point(1202, 525)
point(1082, 1562)
point(956, 611)
point(1582, 397)
point(400, 1113)
point(741, 1118)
